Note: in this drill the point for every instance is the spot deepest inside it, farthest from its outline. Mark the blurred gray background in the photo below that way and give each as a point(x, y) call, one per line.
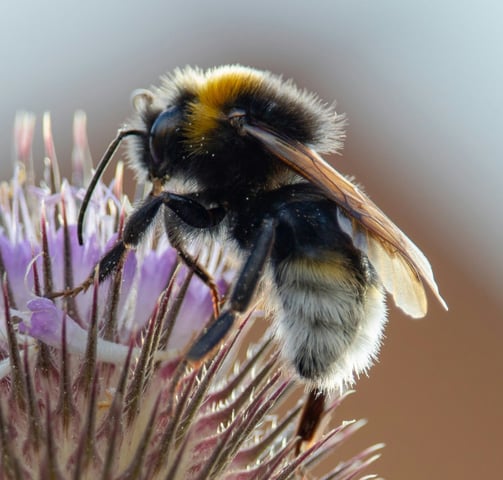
point(422, 85)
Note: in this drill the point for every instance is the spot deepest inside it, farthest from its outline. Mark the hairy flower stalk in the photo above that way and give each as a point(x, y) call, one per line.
point(96, 385)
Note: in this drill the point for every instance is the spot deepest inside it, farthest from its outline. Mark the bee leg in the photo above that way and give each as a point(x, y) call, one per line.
point(204, 276)
point(192, 212)
point(134, 230)
point(137, 226)
point(242, 294)
point(310, 419)
point(198, 216)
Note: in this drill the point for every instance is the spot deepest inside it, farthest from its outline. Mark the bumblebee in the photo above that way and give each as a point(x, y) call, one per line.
point(234, 156)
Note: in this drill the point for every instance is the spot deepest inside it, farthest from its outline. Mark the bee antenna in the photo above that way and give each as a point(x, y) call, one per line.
point(105, 160)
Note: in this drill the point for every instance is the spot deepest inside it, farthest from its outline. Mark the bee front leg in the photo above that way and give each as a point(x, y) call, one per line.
point(138, 224)
point(135, 229)
point(242, 294)
point(192, 212)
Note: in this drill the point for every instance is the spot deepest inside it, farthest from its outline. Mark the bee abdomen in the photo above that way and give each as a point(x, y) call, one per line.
point(330, 320)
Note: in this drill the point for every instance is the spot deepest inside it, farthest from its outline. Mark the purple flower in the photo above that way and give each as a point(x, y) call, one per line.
point(96, 385)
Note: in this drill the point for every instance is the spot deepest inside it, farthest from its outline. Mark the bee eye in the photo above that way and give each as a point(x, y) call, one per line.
point(163, 136)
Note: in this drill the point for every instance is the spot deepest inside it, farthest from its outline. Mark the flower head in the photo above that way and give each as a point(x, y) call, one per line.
point(96, 385)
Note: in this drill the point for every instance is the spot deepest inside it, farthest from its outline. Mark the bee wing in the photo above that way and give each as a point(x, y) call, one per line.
point(401, 266)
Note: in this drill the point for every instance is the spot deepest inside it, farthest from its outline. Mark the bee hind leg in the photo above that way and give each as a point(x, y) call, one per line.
point(310, 419)
point(242, 294)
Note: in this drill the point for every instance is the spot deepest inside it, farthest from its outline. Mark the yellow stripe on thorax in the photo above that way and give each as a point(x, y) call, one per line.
point(220, 88)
